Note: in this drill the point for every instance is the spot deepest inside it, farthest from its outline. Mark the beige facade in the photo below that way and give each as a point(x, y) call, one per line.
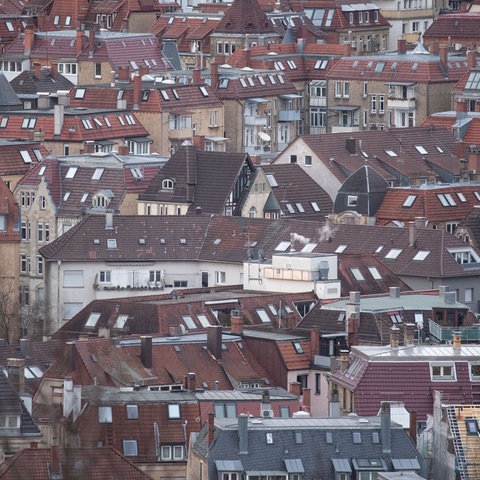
point(91, 72)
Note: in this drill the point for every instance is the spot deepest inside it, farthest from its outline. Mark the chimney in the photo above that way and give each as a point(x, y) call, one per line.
point(434, 48)
point(43, 101)
point(394, 292)
point(413, 427)
point(124, 27)
point(301, 42)
point(72, 356)
point(459, 148)
point(146, 351)
point(29, 39)
point(457, 340)
point(394, 337)
point(266, 405)
point(108, 221)
point(123, 74)
point(55, 467)
point(16, 373)
point(350, 145)
point(190, 382)
point(236, 322)
point(103, 332)
point(420, 222)
point(79, 42)
point(63, 97)
point(295, 388)
point(307, 399)
point(408, 334)
point(412, 233)
point(471, 58)
point(91, 43)
point(26, 347)
point(443, 56)
point(401, 46)
point(343, 360)
point(352, 330)
point(214, 75)
point(123, 149)
point(211, 428)
point(197, 76)
point(214, 340)
point(247, 56)
point(198, 210)
point(385, 426)
point(314, 344)
point(137, 91)
point(54, 70)
point(37, 69)
point(352, 307)
point(243, 433)
point(58, 117)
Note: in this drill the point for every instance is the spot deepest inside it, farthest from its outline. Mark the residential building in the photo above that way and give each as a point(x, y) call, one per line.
point(183, 112)
point(187, 182)
point(285, 191)
point(361, 25)
point(386, 372)
point(95, 463)
point(302, 447)
point(84, 57)
point(403, 157)
point(56, 194)
point(393, 90)
point(437, 206)
point(9, 265)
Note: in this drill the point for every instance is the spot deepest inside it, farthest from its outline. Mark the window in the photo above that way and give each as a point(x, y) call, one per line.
point(29, 122)
point(393, 253)
point(308, 160)
point(468, 295)
point(167, 184)
point(98, 70)
point(56, 20)
point(132, 412)
point(318, 382)
point(442, 371)
point(23, 262)
point(471, 424)
point(73, 278)
point(67, 68)
point(3, 223)
point(180, 283)
point(105, 276)
point(409, 201)
point(172, 452)
point(9, 421)
point(298, 347)
point(357, 274)
point(375, 273)
point(130, 448)
point(293, 159)
point(225, 410)
point(105, 414)
point(352, 200)
point(373, 104)
point(173, 411)
point(111, 243)
point(220, 277)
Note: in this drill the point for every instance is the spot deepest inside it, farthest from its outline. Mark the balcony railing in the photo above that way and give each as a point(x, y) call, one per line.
point(252, 120)
point(445, 334)
point(289, 115)
point(401, 103)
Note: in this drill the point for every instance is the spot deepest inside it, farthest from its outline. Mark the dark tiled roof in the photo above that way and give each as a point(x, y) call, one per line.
point(13, 163)
point(453, 25)
point(8, 98)
point(92, 463)
point(245, 17)
point(28, 83)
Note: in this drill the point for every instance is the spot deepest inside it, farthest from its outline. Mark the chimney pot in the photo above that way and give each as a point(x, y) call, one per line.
point(236, 322)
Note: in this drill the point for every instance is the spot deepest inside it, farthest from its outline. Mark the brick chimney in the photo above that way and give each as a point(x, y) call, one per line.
point(29, 39)
point(146, 351)
point(37, 69)
point(443, 56)
point(295, 388)
point(54, 70)
point(214, 340)
point(394, 337)
point(16, 373)
point(123, 149)
point(91, 43)
point(434, 48)
point(307, 399)
point(211, 428)
point(71, 356)
point(214, 75)
point(123, 74)
point(401, 46)
point(314, 344)
point(55, 466)
point(343, 360)
point(79, 42)
point(352, 329)
point(471, 58)
point(196, 76)
point(137, 91)
point(236, 322)
point(190, 382)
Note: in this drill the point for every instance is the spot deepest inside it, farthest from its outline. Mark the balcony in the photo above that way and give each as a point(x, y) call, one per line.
point(401, 103)
point(444, 334)
point(255, 120)
point(338, 129)
point(318, 101)
point(289, 115)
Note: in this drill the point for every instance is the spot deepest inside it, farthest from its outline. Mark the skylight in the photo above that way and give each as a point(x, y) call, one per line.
point(204, 91)
point(71, 172)
point(92, 319)
point(461, 197)
point(26, 156)
point(446, 199)
point(340, 248)
point(391, 153)
point(315, 206)
point(282, 246)
point(189, 322)
point(271, 180)
point(357, 274)
point(121, 321)
point(393, 253)
point(111, 243)
point(300, 207)
point(202, 318)
point(309, 247)
point(289, 208)
point(97, 174)
point(375, 273)
point(421, 150)
point(409, 201)
point(263, 315)
point(421, 255)
point(379, 248)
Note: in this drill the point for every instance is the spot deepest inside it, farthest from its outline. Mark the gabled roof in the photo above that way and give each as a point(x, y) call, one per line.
point(94, 463)
point(200, 179)
point(28, 83)
point(295, 192)
point(8, 98)
point(245, 17)
point(435, 203)
point(453, 25)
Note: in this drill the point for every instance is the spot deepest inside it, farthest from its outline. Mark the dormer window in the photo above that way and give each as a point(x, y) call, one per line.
point(9, 421)
point(100, 200)
point(167, 184)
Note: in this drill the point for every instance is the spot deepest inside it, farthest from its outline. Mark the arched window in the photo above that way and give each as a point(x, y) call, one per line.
point(167, 184)
point(100, 200)
point(252, 213)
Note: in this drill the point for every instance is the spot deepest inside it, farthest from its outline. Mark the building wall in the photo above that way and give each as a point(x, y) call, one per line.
point(86, 72)
point(257, 195)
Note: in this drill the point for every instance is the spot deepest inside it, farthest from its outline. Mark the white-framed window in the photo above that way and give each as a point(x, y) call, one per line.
point(130, 448)
point(352, 200)
point(468, 295)
point(67, 68)
point(443, 371)
point(132, 412)
point(220, 277)
point(167, 184)
point(73, 278)
point(474, 368)
point(381, 104)
point(9, 421)
point(105, 414)
point(105, 276)
point(173, 411)
point(373, 104)
point(172, 452)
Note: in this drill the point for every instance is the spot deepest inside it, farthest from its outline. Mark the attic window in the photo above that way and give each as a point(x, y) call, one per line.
point(56, 20)
point(202, 318)
point(393, 253)
point(282, 246)
point(461, 197)
point(173, 411)
point(272, 79)
point(3, 122)
point(87, 124)
point(261, 80)
point(421, 150)
point(105, 414)
point(357, 274)
point(263, 315)
point(421, 255)
point(183, 241)
point(204, 91)
point(340, 248)
point(223, 83)
point(309, 247)
point(134, 64)
point(300, 207)
point(298, 438)
point(471, 425)
point(379, 248)
point(352, 200)
point(409, 201)
point(357, 437)
point(391, 153)
point(442, 371)
point(189, 322)
point(291, 64)
point(111, 243)
point(107, 122)
point(26, 156)
point(375, 437)
point(395, 317)
point(66, 196)
point(269, 438)
point(167, 184)
point(96, 241)
point(121, 321)
point(290, 208)
point(375, 273)
point(84, 197)
point(29, 122)
point(130, 120)
point(97, 122)
point(137, 173)
point(328, 437)
point(321, 64)
point(280, 79)
point(132, 412)
point(97, 174)
point(92, 320)
point(298, 347)
point(121, 120)
point(315, 206)
point(279, 66)
point(163, 241)
point(272, 308)
point(243, 82)
point(42, 170)
point(446, 199)
point(141, 241)
point(130, 448)
point(9, 26)
point(250, 81)
point(379, 67)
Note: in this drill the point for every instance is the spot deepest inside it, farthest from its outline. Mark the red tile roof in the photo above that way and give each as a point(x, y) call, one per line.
point(245, 17)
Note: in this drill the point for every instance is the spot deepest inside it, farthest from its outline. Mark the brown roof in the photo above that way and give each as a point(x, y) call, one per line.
point(245, 17)
point(14, 162)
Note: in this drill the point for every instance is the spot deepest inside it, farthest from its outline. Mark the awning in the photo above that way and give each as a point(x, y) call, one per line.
point(405, 464)
point(294, 465)
point(257, 100)
point(264, 136)
point(341, 465)
point(291, 95)
point(216, 139)
point(105, 142)
point(345, 108)
point(401, 84)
